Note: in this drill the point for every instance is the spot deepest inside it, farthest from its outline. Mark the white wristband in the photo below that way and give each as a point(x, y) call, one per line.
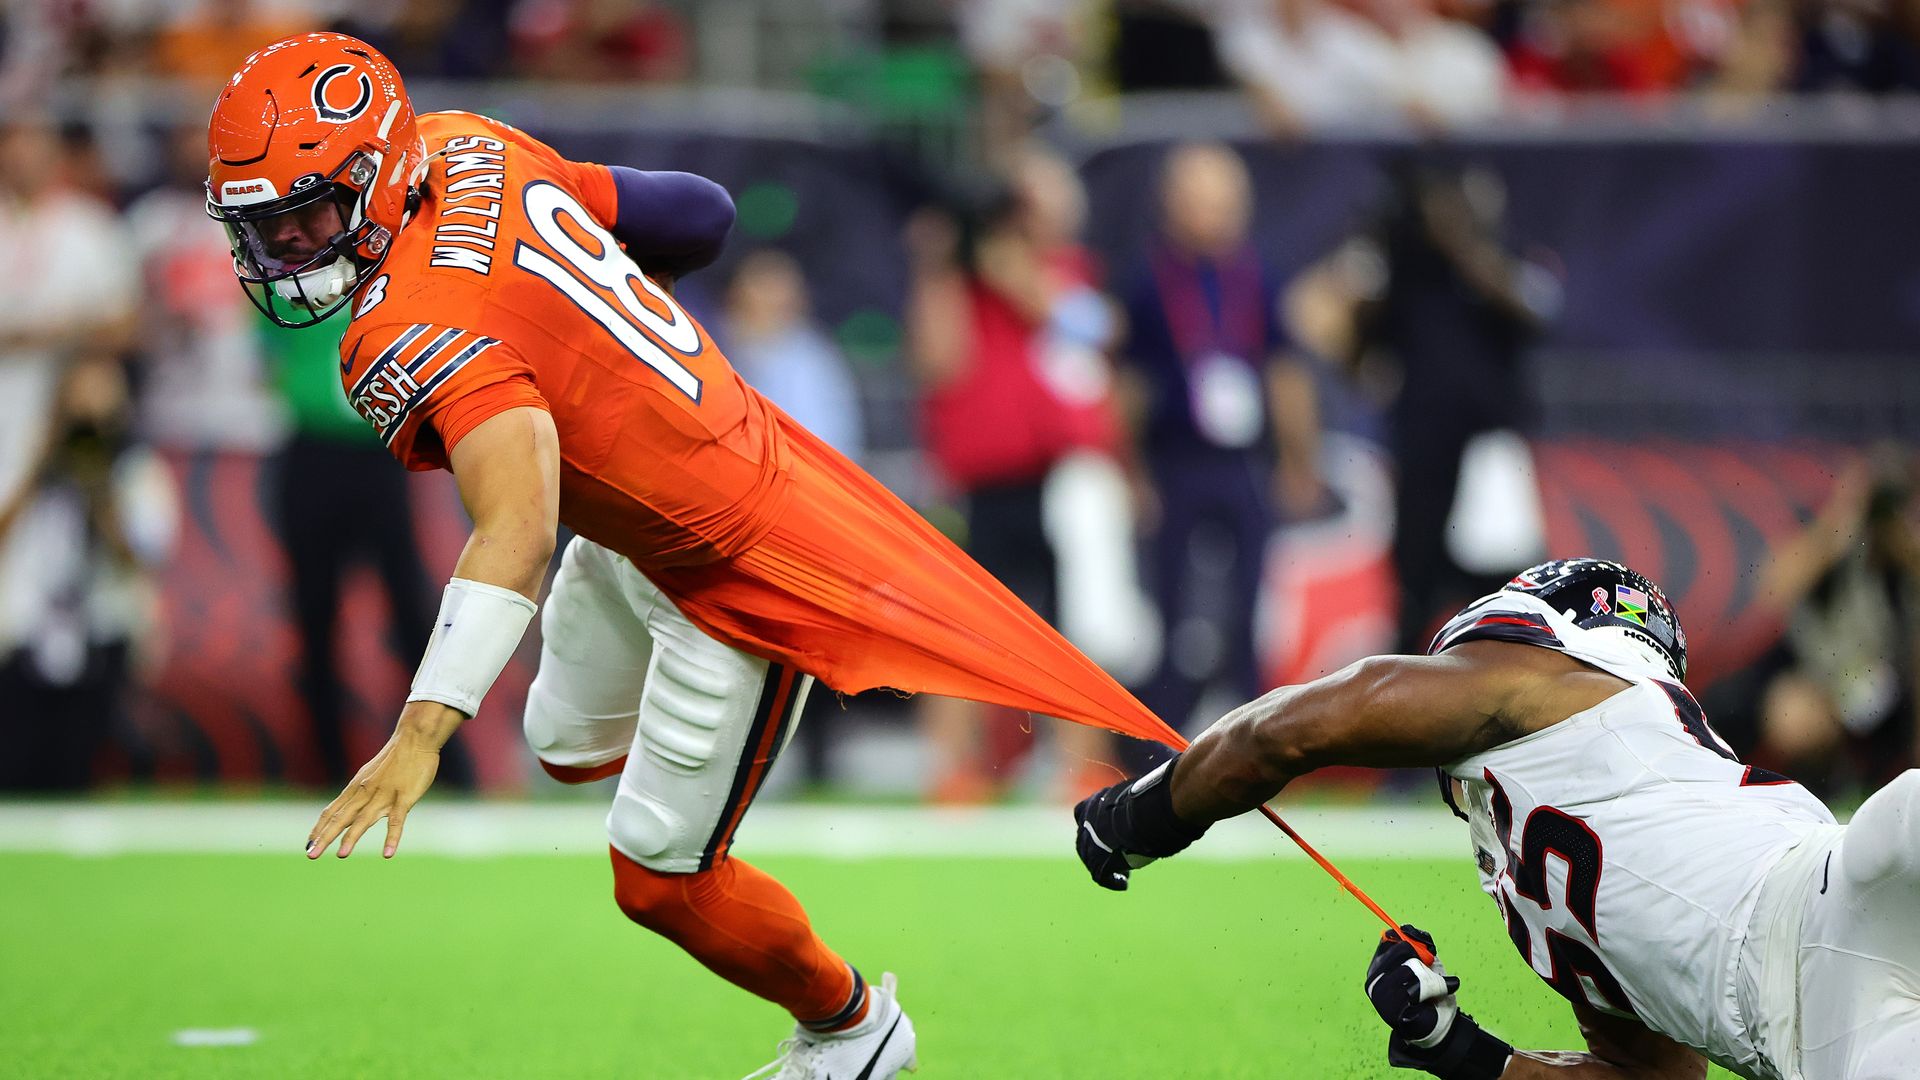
point(479, 627)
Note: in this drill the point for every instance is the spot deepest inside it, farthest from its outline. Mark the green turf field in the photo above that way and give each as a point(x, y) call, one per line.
point(431, 966)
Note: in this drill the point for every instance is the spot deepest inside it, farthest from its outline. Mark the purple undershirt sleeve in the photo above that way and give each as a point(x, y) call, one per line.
point(670, 222)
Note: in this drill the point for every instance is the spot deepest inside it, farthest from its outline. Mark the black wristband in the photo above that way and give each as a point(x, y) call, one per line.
point(1487, 1055)
point(1152, 826)
point(1469, 1052)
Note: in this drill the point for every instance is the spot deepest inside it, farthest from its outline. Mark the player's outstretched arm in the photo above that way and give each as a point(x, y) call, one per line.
point(1429, 1033)
point(508, 470)
point(1386, 711)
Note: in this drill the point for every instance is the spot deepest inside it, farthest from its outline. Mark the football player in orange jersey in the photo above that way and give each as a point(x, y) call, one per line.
point(510, 322)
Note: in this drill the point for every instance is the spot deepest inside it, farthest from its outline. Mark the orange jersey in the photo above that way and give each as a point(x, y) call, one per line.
point(507, 289)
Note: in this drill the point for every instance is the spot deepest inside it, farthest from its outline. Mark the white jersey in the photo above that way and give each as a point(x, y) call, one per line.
point(1626, 845)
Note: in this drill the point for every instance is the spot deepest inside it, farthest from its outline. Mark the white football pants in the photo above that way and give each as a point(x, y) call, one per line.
point(622, 671)
point(1860, 946)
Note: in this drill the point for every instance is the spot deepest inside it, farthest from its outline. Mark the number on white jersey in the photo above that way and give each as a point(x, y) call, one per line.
point(1551, 833)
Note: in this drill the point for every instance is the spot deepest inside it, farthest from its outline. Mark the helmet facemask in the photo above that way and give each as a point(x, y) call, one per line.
point(299, 256)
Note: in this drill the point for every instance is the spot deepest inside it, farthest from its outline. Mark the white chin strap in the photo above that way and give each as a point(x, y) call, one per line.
point(319, 288)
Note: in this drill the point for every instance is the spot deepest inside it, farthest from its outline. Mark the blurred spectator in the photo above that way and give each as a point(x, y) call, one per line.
point(1598, 46)
point(1447, 72)
point(1866, 46)
point(600, 40)
point(1308, 63)
point(202, 386)
point(1225, 423)
point(774, 344)
point(1313, 64)
point(341, 501)
point(68, 287)
point(39, 42)
point(207, 43)
point(83, 167)
point(1086, 506)
point(77, 545)
point(435, 39)
point(1759, 57)
point(1842, 690)
point(771, 338)
point(1025, 52)
point(1007, 336)
point(1445, 314)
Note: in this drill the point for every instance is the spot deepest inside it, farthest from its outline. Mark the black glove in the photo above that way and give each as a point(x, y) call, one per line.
point(1429, 1030)
point(1128, 825)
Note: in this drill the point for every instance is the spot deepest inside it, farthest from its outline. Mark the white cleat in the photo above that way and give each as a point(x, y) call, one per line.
point(880, 1047)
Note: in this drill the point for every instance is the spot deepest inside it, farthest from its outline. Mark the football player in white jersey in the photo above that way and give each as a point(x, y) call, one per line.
point(1690, 908)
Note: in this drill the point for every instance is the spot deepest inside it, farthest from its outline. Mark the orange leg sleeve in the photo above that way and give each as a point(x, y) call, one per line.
point(749, 930)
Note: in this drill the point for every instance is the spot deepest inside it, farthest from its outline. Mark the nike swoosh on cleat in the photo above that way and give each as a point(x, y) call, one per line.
point(867, 1073)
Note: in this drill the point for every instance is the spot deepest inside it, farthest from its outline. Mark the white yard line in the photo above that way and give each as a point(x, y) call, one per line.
point(215, 1037)
point(480, 829)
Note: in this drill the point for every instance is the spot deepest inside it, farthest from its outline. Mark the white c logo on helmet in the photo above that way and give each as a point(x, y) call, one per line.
point(328, 112)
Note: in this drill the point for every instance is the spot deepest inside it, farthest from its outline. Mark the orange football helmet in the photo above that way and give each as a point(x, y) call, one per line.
point(315, 163)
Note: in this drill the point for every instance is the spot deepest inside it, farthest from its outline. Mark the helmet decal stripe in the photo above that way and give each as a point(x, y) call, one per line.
point(1514, 626)
point(393, 112)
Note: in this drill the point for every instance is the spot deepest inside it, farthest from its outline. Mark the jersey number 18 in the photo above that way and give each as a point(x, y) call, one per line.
point(601, 281)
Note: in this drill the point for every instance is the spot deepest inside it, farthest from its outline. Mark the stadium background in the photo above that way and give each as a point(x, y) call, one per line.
point(1730, 240)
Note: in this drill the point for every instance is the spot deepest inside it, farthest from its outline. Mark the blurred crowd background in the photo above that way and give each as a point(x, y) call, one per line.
point(1242, 338)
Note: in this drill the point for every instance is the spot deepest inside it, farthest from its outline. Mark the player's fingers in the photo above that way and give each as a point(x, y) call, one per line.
point(1432, 985)
point(367, 818)
point(1107, 872)
point(313, 834)
point(345, 818)
point(332, 820)
point(396, 821)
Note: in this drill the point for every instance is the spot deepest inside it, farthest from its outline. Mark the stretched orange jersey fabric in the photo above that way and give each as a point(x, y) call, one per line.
point(507, 290)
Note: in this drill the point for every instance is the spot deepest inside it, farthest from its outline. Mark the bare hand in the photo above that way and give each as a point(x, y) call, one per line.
point(385, 787)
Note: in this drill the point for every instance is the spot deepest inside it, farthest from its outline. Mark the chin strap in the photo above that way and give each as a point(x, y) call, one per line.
point(319, 288)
